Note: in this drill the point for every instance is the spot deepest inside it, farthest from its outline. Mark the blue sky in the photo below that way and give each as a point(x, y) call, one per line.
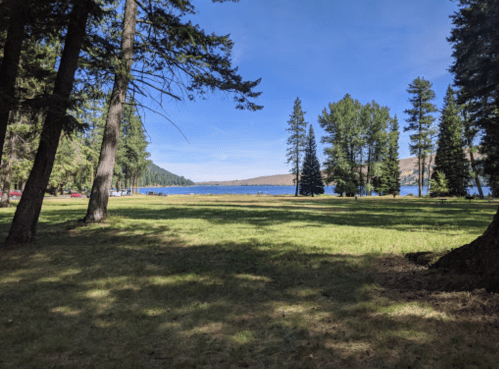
point(317, 50)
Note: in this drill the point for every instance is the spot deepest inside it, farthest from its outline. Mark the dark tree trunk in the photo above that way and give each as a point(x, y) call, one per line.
point(477, 179)
point(23, 227)
point(297, 183)
point(10, 63)
point(429, 174)
point(97, 206)
point(481, 257)
point(7, 170)
point(422, 174)
point(137, 171)
point(5, 201)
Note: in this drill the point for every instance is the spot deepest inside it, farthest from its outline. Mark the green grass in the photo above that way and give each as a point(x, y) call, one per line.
point(235, 281)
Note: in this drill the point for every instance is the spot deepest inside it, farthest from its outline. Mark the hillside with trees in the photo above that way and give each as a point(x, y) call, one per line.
point(156, 176)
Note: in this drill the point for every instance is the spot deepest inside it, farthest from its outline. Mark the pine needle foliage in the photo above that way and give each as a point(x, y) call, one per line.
point(475, 41)
point(421, 122)
point(450, 158)
point(311, 179)
point(439, 184)
point(359, 141)
point(297, 140)
point(390, 179)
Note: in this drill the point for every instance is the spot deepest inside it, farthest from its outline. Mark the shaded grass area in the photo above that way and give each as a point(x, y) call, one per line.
point(238, 282)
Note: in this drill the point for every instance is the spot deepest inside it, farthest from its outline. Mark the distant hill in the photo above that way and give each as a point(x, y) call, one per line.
point(408, 177)
point(409, 174)
point(156, 176)
point(275, 180)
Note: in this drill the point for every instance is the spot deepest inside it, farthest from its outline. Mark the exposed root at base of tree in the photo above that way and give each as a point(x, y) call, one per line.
point(457, 295)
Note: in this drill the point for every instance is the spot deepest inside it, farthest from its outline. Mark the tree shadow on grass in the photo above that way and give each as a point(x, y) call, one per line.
point(108, 297)
point(400, 218)
point(389, 214)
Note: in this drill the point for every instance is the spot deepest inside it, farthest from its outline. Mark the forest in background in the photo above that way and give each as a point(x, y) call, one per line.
point(78, 153)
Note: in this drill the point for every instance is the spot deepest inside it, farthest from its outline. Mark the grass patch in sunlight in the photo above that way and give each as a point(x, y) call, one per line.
point(236, 282)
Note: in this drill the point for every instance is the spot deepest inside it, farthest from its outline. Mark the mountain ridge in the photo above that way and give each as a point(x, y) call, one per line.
point(407, 176)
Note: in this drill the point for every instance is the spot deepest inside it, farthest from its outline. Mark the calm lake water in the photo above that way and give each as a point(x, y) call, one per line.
point(269, 190)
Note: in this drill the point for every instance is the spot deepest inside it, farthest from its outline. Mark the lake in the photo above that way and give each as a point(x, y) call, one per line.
point(268, 190)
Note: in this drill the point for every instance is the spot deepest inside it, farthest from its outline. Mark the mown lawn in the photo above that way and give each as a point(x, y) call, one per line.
point(241, 281)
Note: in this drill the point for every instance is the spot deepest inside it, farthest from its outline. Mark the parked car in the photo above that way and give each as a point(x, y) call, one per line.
point(14, 194)
point(76, 194)
point(150, 193)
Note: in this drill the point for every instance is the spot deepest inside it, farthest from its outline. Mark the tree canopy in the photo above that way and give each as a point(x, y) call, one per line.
point(450, 160)
point(297, 127)
point(420, 121)
point(311, 182)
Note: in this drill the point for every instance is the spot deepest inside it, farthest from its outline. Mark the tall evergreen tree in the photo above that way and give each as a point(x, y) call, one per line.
point(97, 206)
point(173, 49)
point(470, 133)
point(450, 158)
point(297, 140)
point(421, 122)
point(376, 119)
point(135, 145)
point(359, 137)
point(311, 178)
point(346, 135)
point(475, 39)
point(23, 227)
point(390, 178)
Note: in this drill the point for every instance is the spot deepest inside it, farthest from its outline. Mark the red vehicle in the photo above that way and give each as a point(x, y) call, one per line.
point(14, 194)
point(77, 194)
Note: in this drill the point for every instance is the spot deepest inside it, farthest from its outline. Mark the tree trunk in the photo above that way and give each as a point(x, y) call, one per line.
point(420, 183)
point(97, 206)
point(10, 63)
point(58, 190)
point(479, 257)
point(429, 174)
point(5, 201)
point(7, 170)
point(477, 179)
point(137, 171)
point(118, 183)
point(23, 227)
point(92, 172)
point(422, 174)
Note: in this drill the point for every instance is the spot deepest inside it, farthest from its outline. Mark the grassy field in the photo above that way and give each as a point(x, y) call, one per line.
point(241, 281)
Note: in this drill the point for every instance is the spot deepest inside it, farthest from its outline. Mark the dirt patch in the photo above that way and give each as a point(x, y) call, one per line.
point(452, 294)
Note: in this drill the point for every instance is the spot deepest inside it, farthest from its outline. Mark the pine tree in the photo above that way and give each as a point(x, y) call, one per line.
point(450, 158)
point(470, 132)
point(311, 179)
point(171, 46)
point(475, 39)
point(23, 227)
point(135, 144)
point(376, 120)
point(347, 124)
point(421, 122)
point(297, 140)
point(390, 179)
